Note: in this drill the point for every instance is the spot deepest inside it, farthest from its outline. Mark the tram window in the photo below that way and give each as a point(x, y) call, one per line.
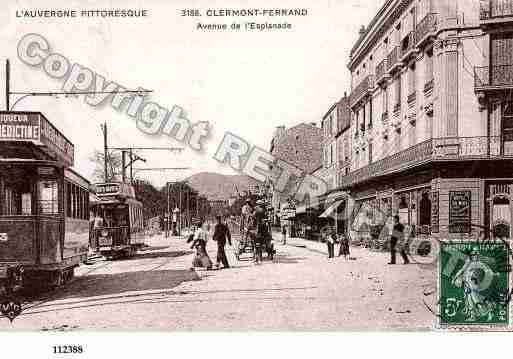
point(26, 204)
point(17, 198)
point(80, 202)
point(68, 200)
point(48, 197)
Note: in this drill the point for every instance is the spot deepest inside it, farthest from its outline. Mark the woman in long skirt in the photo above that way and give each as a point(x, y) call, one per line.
point(201, 259)
point(344, 246)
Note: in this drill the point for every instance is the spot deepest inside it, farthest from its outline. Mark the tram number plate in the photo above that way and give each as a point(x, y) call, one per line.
point(105, 241)
point(4, 237)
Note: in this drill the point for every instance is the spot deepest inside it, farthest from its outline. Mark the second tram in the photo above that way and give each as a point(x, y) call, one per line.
point(118, 220)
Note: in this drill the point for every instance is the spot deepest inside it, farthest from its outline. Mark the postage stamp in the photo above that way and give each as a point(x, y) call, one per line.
point(474, 284)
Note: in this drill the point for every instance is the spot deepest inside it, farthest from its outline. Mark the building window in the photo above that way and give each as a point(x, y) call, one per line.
point(429, 66)
point(370, 113)
point(397, 103)
point(411, 79)
point(385, 100)
point(370, 152)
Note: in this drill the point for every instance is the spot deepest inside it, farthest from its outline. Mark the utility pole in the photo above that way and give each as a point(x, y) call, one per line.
point(105, 151)
point(123, 166)
point(131, 167)
point(168, 214)
point(7, 84)
point(181, 210)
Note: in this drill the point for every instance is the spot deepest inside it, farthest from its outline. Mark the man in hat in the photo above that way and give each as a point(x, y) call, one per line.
point(397, 236)
point(259, 220)
point(221, 235)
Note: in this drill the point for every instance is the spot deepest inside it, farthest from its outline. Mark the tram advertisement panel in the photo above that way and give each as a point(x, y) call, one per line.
point(19, 127)
point(35, 128)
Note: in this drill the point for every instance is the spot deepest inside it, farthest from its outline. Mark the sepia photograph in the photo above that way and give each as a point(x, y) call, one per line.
point(255, 166)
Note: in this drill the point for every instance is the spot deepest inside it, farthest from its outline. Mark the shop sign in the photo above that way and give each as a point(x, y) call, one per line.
point(459, 211)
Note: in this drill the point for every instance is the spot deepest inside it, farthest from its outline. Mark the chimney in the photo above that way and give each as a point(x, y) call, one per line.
point(280, 131)
point(361, 32)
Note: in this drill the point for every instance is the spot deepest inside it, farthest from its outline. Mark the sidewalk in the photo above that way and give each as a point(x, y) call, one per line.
point(302, 243)
point(321, 248)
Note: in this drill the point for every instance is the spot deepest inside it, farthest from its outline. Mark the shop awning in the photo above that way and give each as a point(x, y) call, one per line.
point(332, 208)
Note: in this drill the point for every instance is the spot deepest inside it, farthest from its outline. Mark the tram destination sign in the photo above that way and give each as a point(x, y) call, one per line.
point(114, 189)
point(35, 128)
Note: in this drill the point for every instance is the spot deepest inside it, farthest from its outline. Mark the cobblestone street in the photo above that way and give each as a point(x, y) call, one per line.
point(300, 290)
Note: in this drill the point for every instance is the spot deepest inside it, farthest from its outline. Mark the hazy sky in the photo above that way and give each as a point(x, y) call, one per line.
point(244, 82)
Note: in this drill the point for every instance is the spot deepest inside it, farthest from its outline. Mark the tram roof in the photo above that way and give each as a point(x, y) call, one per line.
point(30, 161)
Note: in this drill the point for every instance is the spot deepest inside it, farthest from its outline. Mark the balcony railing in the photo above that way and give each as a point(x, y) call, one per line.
point(402, 159)
point(408, 46)
point(381, 70)
point(412, 98)
point(425, 28)
point(492, 9)
point(473, 147)
point(393, 59)
point(437, 149)
point(397, 108)
point(362, 89)
point(428, 86)
point(493, 77)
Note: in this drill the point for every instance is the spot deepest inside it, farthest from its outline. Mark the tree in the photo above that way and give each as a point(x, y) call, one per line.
point(114, 164)
point(154, 201)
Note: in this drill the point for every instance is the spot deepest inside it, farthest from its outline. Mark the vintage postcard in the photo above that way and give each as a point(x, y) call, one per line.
point(265, 165)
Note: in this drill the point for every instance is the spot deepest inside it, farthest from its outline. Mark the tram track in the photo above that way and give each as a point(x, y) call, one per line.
point(30, 304)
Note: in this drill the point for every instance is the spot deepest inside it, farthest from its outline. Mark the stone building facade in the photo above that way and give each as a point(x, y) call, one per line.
point(300, 146)
point(432, 116)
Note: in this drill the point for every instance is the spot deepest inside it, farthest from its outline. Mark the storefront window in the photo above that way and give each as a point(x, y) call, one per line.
point(402, 206)
point(425, 210)
point(48, 197)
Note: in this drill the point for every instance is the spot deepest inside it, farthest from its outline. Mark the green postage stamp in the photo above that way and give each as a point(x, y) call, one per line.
point(474, 284)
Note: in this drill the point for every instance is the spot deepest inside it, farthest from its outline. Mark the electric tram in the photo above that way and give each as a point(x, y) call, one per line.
point(44, 204)
point(118, 220)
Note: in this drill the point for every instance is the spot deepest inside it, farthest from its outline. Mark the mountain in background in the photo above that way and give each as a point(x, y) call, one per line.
point(217, 186)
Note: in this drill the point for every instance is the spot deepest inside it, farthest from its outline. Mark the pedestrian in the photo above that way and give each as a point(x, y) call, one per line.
point(257, 231)
point(397, 236)
point(344, 246)
point(201, 259)
point(221, 235)
point(330, 242)
point(284, 235)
